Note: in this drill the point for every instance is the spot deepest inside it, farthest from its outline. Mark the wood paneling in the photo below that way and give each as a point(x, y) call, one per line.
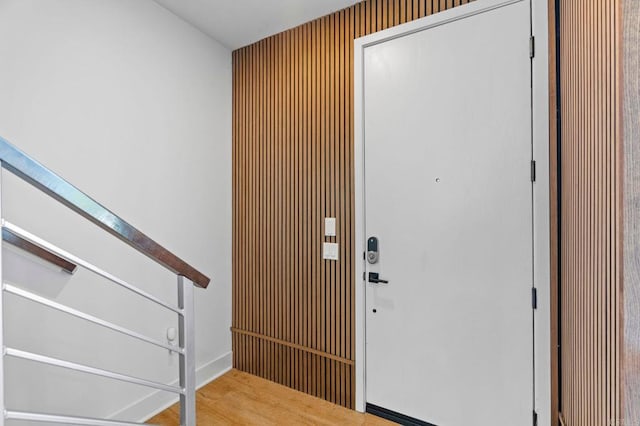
point(293, 314)
point(591, 255)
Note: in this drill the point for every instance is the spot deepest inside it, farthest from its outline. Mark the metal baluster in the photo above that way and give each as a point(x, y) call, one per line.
point(187, 358)
point(34, 173)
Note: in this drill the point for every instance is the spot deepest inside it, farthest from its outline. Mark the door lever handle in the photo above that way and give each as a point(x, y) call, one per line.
point(374, 277)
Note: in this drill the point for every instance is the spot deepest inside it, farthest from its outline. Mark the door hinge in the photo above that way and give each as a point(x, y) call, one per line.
point(535, 418)
point(532, 47)
point(533, 171)
point(534, 298)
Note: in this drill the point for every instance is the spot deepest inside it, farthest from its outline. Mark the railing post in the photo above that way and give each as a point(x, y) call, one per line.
point(187, 359)
point(2, 400)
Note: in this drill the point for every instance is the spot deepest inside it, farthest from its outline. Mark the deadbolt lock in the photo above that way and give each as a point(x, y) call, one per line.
point(372, 250)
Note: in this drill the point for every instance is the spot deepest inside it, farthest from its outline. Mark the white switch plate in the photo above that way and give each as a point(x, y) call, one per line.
point(329, 226)
point(330, 251)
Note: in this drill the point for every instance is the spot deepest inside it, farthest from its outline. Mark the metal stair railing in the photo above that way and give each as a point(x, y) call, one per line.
point(34, 173)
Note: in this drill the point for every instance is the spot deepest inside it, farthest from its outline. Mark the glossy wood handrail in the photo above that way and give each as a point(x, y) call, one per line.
point(31, 171)
point(38, 251)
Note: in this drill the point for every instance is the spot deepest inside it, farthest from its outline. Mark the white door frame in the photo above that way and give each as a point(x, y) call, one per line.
point(540, 143)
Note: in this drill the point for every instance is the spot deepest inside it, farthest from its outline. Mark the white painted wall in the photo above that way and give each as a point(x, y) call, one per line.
point(133, 106)
point(259, 18)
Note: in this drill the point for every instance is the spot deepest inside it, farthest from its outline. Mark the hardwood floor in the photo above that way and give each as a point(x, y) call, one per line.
point(238, 398)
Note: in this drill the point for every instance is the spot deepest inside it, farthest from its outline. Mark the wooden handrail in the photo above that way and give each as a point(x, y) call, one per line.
point(31, 171)
point(38, 251)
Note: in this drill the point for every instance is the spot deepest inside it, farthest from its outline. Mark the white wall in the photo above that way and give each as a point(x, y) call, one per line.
point(133, 106)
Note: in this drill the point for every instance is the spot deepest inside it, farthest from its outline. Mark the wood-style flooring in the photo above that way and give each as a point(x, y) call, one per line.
point(238, 398)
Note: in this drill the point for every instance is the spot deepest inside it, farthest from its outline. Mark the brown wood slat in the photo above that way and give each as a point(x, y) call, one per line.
point(293, 313)
point(590, 218)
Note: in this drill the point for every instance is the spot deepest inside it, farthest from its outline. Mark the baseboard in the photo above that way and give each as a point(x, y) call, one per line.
point(158, 401)
point(395, 416)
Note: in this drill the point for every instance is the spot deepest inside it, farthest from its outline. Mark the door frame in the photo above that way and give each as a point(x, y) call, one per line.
point(541, 205)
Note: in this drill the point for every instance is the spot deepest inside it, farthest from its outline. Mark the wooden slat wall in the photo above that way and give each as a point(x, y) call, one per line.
point(293, 314)
point(590, 218)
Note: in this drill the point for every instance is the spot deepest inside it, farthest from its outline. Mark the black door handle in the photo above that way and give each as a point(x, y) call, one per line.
point(374, 278)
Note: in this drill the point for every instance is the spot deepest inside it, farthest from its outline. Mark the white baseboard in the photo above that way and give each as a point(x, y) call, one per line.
point(158, 401)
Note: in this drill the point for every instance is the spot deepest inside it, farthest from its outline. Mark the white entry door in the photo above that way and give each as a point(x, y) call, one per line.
point(448, 198)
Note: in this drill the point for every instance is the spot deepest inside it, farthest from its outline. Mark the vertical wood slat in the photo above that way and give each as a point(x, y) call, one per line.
point(590, 215)
point(293, 314)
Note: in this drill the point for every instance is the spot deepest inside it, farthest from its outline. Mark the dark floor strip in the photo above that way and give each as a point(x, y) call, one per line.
point(395, 417)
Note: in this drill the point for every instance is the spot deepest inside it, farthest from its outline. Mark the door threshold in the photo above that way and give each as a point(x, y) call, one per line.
point(395, 416)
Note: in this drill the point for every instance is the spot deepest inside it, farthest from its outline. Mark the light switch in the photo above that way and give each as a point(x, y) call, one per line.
point(330, 251)
point(329, 226)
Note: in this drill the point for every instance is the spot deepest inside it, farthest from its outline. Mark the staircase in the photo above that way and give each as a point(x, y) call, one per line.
point(34, 173)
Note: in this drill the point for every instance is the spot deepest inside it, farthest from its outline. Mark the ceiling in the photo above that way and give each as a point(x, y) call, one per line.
point(237, 23)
